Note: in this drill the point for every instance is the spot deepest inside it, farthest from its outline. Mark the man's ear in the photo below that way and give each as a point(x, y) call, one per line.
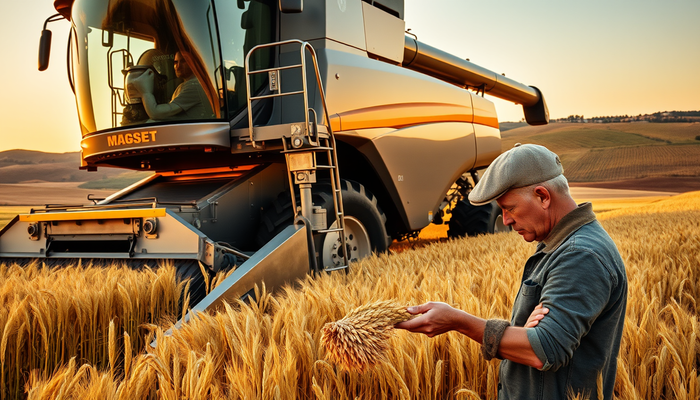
point(543, 195)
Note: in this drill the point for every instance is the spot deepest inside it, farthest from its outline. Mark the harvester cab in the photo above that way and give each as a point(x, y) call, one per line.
point(284, 137)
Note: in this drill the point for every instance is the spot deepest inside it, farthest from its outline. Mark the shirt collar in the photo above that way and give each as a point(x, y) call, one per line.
point(570, 223)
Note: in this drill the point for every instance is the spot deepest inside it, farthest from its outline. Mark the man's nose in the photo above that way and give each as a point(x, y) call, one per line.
point(507, 219)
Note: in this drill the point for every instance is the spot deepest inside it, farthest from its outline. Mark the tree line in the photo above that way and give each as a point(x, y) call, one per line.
point(661, 116)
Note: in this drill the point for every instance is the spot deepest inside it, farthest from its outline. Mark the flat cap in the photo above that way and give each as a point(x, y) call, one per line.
point(521, 166)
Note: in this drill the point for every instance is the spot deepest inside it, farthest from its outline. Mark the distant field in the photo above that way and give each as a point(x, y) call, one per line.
point(635, 162)
point(674, 132)
point(592, 139)
point(620, 151)
point(656, 132)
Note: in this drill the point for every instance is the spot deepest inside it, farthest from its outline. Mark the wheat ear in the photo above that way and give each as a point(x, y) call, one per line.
point(360, 339)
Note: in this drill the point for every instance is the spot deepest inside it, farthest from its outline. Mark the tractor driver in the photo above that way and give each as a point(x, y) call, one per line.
point(188, 101)
point(567, 320)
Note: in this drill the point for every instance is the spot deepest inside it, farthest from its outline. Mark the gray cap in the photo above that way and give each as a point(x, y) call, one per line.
point(523, 165)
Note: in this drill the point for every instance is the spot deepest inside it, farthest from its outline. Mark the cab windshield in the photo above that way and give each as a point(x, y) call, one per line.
point(154, 61)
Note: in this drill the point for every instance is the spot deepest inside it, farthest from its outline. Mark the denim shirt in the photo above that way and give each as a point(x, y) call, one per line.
point(579, 275)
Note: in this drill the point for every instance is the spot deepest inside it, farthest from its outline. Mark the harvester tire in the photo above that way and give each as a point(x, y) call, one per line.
point(496, 223)
point(275, 217)
point(470, 220)
point(365, 225)
point(363, 219)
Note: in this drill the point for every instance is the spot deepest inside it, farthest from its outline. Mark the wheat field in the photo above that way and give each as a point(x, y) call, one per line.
point(82, 332)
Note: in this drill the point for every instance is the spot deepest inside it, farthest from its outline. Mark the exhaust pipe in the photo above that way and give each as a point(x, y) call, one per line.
point(431, 61)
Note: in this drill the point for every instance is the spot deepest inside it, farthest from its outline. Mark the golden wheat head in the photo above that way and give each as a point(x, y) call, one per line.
point(359, 340)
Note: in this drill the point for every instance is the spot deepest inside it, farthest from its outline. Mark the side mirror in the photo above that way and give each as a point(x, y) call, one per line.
point(44, 49)
point(45, 43)
point(291, 6)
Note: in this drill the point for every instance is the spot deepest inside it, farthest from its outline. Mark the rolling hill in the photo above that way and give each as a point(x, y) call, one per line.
point(645, 156)
point(26, 166)
point(31, 178)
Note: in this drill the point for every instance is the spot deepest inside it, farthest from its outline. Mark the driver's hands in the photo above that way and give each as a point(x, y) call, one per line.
point(144, 83)
point(437, 319)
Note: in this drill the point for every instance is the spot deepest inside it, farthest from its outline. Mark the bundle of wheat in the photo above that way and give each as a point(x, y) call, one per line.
point(359, 340)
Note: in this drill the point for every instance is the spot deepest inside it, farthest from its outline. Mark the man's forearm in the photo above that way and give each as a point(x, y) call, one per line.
point(514, 345)
point(158, 111)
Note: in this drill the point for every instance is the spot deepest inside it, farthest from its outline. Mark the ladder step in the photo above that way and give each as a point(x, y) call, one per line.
point(267, 96)
point(307, 149)
point(330, 230)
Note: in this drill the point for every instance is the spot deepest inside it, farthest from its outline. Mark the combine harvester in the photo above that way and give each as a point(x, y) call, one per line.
point(311, 134)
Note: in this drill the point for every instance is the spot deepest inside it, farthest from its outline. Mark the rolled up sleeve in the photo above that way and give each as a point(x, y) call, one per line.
point(576, 291)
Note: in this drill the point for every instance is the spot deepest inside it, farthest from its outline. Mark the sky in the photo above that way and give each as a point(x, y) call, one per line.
point(591, 58)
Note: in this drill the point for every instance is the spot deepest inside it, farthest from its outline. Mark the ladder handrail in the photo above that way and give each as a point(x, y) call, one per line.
point(302, 64)
point(329, 147)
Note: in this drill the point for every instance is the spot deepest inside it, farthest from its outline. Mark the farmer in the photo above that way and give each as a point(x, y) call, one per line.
point(567, 319)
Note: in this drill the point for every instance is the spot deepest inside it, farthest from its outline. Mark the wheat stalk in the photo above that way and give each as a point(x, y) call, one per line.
point(359, 340)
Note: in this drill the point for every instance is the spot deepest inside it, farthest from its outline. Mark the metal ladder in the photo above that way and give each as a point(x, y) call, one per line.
point(303, 142)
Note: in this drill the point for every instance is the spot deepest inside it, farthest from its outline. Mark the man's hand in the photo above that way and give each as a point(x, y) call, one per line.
point(537, 314)
point(144, 83)
point(437, 319)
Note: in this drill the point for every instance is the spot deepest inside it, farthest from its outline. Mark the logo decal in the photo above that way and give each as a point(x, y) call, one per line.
point(131, 138)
